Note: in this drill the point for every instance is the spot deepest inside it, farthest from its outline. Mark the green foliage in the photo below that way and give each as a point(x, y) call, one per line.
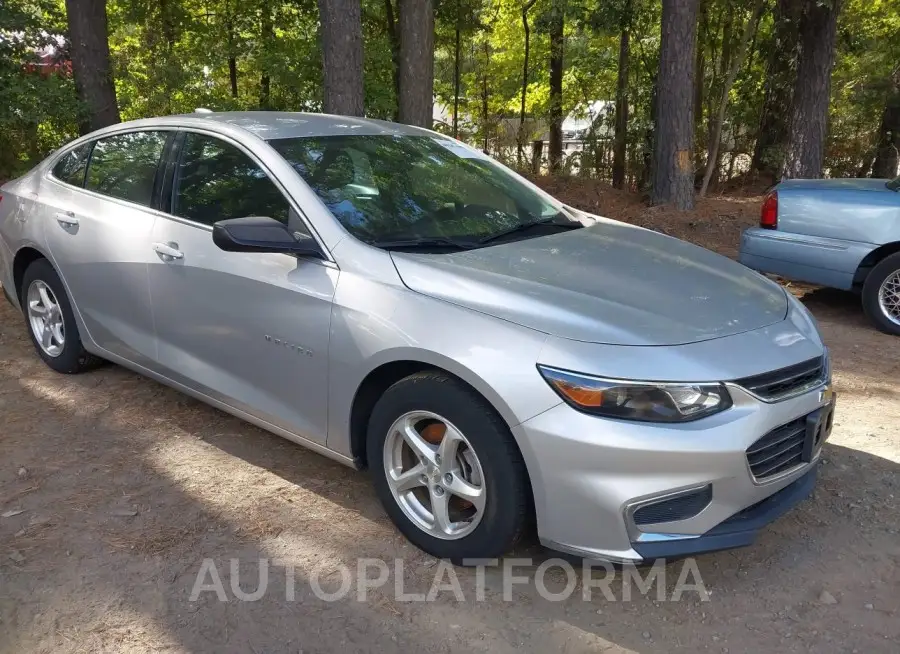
point(38, 109)
point(868, 55)
point(171, 56)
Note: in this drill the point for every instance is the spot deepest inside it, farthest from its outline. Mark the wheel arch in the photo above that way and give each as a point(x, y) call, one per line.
point(24, 257)
point(871, 260)
point(386, 373)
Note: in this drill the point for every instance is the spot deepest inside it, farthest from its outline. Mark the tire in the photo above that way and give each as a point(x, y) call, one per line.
point(70, 357)
point(887, 268)
point(506, 513)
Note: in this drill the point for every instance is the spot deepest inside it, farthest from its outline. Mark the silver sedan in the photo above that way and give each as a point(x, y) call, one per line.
point(398, 301)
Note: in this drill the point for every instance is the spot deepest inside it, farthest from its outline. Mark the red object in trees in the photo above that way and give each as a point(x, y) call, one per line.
point(50, 64)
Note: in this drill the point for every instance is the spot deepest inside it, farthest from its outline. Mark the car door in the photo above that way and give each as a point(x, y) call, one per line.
point(98, 232)
point(245, 328)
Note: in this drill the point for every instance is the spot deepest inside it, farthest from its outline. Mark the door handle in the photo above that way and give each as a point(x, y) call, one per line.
point(66, 219)
point(168, 251)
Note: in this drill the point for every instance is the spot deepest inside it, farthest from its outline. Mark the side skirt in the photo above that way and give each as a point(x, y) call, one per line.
point(227, 408)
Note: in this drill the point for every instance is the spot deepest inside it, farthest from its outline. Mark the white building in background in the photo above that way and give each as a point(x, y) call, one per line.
point(577, 125)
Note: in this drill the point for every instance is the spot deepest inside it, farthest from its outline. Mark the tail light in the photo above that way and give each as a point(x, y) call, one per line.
point(768, 217)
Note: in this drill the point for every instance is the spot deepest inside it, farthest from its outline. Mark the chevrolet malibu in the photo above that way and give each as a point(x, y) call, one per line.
point(400, 302)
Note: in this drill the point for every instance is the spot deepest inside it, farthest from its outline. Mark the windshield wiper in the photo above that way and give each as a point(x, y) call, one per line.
point(524, 227)
point(423, 242)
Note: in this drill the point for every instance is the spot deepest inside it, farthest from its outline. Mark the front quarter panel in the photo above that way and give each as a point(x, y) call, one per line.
point(376, 320)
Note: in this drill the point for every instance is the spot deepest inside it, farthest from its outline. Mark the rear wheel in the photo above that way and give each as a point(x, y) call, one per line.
point(51, 322)
point(447, 469)
point(881, 295)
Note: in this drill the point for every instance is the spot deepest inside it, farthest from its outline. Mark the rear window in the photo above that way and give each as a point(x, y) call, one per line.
point(124, 166)
point(70, 168)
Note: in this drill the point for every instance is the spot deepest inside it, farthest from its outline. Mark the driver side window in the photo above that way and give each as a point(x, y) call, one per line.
point(217, 181)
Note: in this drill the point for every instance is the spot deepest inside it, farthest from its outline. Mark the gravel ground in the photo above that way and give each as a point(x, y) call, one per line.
point(115, 489)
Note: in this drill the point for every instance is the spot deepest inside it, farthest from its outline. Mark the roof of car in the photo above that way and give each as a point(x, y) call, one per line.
point(285, 124)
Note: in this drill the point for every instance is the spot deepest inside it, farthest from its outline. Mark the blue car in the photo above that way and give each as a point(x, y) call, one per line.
point(841, 233)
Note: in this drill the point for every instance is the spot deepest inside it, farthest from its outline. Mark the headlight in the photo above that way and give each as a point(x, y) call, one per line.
point(631, 400)
point(803, 319)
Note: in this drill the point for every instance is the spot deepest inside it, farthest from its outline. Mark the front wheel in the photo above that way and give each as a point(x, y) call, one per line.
point(881, 295)
point(447, 469)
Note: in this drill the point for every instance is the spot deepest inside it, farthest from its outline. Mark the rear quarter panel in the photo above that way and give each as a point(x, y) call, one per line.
point(847, 215)
point(18, 225)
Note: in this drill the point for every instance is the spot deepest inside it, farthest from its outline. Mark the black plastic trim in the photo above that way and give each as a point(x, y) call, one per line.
point(784, 381)
point(681, 507)
point(739, 530)
point(159, 179)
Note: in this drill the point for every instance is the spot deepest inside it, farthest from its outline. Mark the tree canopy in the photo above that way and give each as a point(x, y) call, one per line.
point(171, 56)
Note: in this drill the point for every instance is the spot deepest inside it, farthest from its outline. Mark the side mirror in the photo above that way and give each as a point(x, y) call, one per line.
point(261, 234)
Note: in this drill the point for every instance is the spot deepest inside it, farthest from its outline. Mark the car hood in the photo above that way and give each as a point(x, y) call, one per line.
point(608, 283)
point(876, 185)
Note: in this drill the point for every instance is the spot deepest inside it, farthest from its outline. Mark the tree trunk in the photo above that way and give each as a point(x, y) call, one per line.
point(232, 76)
point(673, 175)
point(232, 60)
point(645, 181)
point(888, 155)
point(866, 165)
point(520, 137)
point(537, 151)
point(456, 77)
point(266, 36)
point(720, 74)
point(715, 36)
point(168, 26)
point(812, 91)
point(416, 62)
point(620, 137)
point(712, 156)
point(485, 95)
point(394, 37)
point(265, 90)
point(731, 162)
point(700, 74)
point(90, 63)
point(781, 73)
point(342, 56)
point(557, 28)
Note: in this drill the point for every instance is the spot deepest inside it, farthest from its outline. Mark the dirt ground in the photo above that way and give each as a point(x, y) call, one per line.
point(114, 489)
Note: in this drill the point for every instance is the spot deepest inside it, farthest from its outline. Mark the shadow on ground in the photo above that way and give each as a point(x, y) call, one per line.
point(129, 486)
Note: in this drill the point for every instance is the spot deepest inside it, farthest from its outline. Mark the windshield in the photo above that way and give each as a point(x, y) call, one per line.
point(390, 188)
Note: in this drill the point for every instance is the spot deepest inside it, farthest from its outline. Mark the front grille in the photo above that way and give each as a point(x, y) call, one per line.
point(781, 383)
point(678, 508)
point(779, 450)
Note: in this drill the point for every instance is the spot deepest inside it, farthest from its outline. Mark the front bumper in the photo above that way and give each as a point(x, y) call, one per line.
point(739, 530)
point(589, 473)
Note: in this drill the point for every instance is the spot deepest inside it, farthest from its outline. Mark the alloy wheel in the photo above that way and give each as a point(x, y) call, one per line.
point(434, 475)
point(889, 297)
point(45, 318)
